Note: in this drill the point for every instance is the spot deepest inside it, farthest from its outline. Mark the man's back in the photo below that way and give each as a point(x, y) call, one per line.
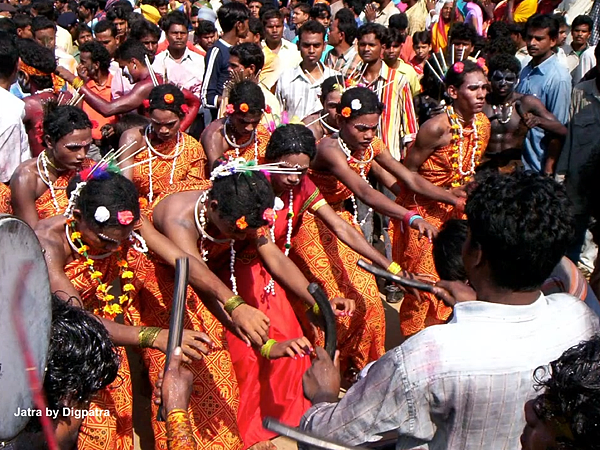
point(462, 385)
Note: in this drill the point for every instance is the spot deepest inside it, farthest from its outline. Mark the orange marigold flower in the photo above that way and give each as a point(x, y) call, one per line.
point(169, 98)
point(346, 112)
point(241, 223)
point(244, 108)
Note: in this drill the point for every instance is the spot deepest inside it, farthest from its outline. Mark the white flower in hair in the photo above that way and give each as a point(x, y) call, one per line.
point(356, 104)
point(102, 214)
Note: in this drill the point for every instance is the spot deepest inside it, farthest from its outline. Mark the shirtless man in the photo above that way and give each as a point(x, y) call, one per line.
point(131, 56)
point(323, 123)
point(35, 77)
point(508, 129)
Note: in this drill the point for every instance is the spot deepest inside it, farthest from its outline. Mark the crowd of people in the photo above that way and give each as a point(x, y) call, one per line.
point(276, 144)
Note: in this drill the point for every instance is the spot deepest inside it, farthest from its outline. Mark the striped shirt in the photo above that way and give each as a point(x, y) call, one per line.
point(299, 92)
point(462, 385)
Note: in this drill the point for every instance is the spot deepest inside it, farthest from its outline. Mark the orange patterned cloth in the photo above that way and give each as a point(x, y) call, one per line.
point(248, 152)
point(215, 396)
point(322, 257)
point(414, 254)
point(5, 205)
point(190, 166)
point(115, 431)
point(44, 203)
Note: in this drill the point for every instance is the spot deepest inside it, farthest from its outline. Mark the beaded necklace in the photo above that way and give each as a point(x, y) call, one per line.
point(362, 163)
point(152, 150)
point(270, 288)
point(497, 108)
point(43, 158)
point(458, 155)
point(237, 146)
point(106, 308)
point(326, 126)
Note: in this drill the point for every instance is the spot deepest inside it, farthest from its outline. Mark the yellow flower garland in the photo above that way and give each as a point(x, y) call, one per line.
point(458, 179)
point(108, 310)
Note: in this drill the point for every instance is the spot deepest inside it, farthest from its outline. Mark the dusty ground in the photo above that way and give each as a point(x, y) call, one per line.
point(141, 392)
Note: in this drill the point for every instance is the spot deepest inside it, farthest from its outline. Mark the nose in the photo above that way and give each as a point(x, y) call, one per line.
point(369, 135)
point(293, 180)
point(163, 130)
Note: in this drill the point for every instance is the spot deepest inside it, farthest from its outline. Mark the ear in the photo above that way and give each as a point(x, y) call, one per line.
point(452, 92)
point(48, 141)
point(252, 69)
point(77, 214)
point(213, 205)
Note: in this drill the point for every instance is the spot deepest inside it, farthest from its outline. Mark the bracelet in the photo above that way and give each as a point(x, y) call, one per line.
point(147, 336)
point(316, 310)
point(77, 83)
point(409, 215)
point(394, 268)
point(233, 303)
point(413, 218)
point(265, 350)
point(179, 430)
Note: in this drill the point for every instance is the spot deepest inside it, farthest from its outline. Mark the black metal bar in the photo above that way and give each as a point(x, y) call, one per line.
point(327, 312)
point(402, 281)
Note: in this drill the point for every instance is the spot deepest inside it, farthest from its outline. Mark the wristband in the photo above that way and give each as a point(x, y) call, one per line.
point(315, 309)
point(394, 268)
point(265, 350)
point(147, 336)
point(233, 303)
point(409, 215)
point(413, 218)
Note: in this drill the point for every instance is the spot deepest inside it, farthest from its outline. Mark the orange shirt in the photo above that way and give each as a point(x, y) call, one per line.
point(98, 120)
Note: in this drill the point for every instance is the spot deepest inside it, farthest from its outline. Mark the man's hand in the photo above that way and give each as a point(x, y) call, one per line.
point(194, 344)
point(174, 388)
point(531, 120)
point(83, 73)
point(65, 74)
point(453, 292)
point(253, 324)
point(321, 382)
point(370, 12)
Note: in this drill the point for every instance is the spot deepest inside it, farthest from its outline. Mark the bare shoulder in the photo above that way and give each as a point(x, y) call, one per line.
point(179, 207)
point(530, 103)
point(51, 231)
point(212, 133)
point(25, 174)
point(131, 135)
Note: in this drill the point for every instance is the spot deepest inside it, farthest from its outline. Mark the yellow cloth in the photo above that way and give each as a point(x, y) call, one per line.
point(417, 17)
point(525, 10)
point(288, 57)
point(150, 13)
point(411, 75)
point(64, 41)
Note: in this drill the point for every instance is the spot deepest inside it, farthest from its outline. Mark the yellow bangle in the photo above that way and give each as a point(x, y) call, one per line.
point(147, 336)
point(233, 303)
point(77, 83)
point(394, 268)
point(315, 309)
point(265, 350)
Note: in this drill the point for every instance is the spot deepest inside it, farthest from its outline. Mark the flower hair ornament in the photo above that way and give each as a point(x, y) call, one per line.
point(269, 216)
point(356, 104)
point(458, 67)
point(241, 223)
point(240, 165)
point(125, 217)
point(146, 103)
point(168, 98)
point(346, 112)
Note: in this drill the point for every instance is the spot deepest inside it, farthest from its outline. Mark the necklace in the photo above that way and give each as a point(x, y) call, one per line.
point(152, 150)
point(362, 163)
point(458, 154)
point(43, 158)
point(232, 143)
point(500, 116)
point(270, 288)
point(326, 126)
point(106, 307)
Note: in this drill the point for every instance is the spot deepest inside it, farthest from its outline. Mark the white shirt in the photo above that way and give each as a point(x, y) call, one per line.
point(299, 93)
point(187, 73)
point(14, 145)
point(120, 84)
point(462, 385)
point(587, 61)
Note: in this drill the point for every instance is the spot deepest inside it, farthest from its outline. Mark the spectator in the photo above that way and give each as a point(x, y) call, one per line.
point(581, 31)
point(205, 36)
point(343, 57)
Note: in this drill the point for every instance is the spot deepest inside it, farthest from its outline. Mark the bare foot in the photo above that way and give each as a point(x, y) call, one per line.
point(264, 445)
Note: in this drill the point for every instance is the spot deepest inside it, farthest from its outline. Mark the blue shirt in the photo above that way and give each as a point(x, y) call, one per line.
point(550, 82)
point(216, 74)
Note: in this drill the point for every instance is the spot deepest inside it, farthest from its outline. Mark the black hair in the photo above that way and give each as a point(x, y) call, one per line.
point(249, 54)
point(522, 223)
point(304, 7)
point(393, 36)
point(104, 25)
point(120, 10)
point(503, 62)
point(64, 119)
point(561, 19)
point(157, 99)
point(398, 21)
point(40, 58)
point(292, 139)
point(8, 26)
point(589, 185)
point(243, 195)
point(232, 13)
point(132, 49)
point(311, 27)
point(369, 102)
point(421, 37)
point(267, 12)
point(500, 45)
point(456, 79)
point(330, 84)
point(22, 20)
point(142, 28)
point(447, 250)
point(346, 24)
point(262, 2)
point(9, 56)
point(44, 8)
point(497, 29)
point(583, 19)
point(111, 190)
point(372, 28)
point(81, 357)
point(82, 28)
point(98, 53)
point(91, 5)
point(319, 10)
point(517, 28)
point(255, 26)
point(358, 6)
point(206, 27)
point(542, 21)
point(247, 92)
point(461, 31)
point(572, 392)
point(175, 18)
point(39, 23)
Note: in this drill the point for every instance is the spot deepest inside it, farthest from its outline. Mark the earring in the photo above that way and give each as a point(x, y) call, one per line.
point(135, 66)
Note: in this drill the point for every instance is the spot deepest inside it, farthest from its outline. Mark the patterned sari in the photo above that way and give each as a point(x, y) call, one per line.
point(5, 205)
point(414, 254)
point(256, 147)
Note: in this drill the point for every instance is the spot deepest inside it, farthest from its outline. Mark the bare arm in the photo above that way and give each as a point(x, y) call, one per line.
point(429, 137)
point(536, 115)
point(386, 178)
point(23, 193)
point(212, 143)
point(193, 106)
point(134, 138)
